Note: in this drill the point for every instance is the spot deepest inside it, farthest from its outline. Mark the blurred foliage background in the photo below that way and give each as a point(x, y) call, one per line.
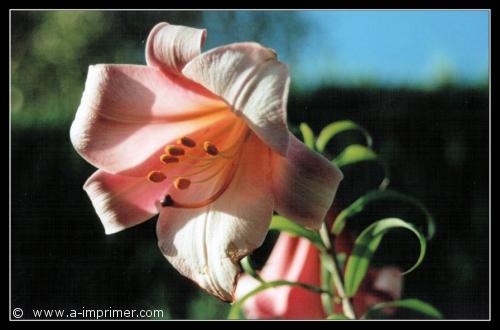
point(434, 137)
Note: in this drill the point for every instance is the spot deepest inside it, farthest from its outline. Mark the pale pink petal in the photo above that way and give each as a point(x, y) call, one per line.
point(304, 184)
point(286, 302)
point(170, 47)
point(253, 308)
point(388, 284)
point(273, 303)
point(303, 303)
point(250, 79)
point(270, 303)
point(206, 244)
point(128, 113)
point(389, 281)
point(122, 202)
point(380, 285)
point(281, 257)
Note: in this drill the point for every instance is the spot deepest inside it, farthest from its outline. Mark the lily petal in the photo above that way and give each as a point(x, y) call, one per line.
point(128, 113)
point(170, 47)
point(304, 269)
point(380, 285)
point(286, 302)
point(304, 184)
point(390, 281)
point(122, 202)
point(206, 244)
point(250, 79)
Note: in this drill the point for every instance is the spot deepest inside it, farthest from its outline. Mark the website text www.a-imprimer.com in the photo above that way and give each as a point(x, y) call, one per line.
point(89, 314)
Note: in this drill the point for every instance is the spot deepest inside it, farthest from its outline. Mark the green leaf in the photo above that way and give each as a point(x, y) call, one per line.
point(327, 285)
point(341, 258)
point(283, 224)
point(329, 131)
point(246, 264)
point(337, 317)
point(307, 135)
point(412, 304)
point(355, 153)
point(377, 195)
point(235, 311)
point(365, 246)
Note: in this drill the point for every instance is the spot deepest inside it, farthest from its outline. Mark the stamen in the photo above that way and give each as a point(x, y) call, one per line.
point(182, 183)
point(186, 141)
point(229, 127)
point(235, 146)
point(167, 159)
point(210, 148)
point(167, 201)
point(174, 150)
point(216, 164)
point(213, 175)
point(156, 176)
point(193, 157)
point(201, 168)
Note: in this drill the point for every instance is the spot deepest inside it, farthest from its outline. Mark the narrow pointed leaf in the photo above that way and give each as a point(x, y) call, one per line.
point(338, 127)
point(377, 195)
point(246, 264)
point(283, 224)
point(411, 304)
point(307, 135)
point(365, 246)
point(327, 285)
point(357, 153)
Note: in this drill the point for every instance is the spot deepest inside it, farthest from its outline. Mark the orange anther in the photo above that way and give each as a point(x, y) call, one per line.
point(210, 148)
point(156, 176)
point(186, 141)
point(182, 183)
point(167, 159)
point(174, 150)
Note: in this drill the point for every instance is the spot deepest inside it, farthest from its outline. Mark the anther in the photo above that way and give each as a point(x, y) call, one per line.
point(186, 141)
point(210, 148)
point(182, 183)
point(155, 176)
point(167, 201)
point(167, 159)
point(174, 150)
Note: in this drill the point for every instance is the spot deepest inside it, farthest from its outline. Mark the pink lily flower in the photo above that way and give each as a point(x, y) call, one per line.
point(201, 139)
point(296, 259)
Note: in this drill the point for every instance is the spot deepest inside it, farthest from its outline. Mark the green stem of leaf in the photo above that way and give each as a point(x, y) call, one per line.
point(329, 260)
point(246, 264)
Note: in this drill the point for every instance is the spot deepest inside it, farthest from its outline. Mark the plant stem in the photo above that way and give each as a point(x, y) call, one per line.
point(334, 268)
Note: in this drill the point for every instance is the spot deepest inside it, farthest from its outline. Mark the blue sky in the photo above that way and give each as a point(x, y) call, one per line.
point(395, 47)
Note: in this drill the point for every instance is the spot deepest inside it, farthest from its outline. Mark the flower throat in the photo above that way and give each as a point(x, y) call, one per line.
point(205, 161)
